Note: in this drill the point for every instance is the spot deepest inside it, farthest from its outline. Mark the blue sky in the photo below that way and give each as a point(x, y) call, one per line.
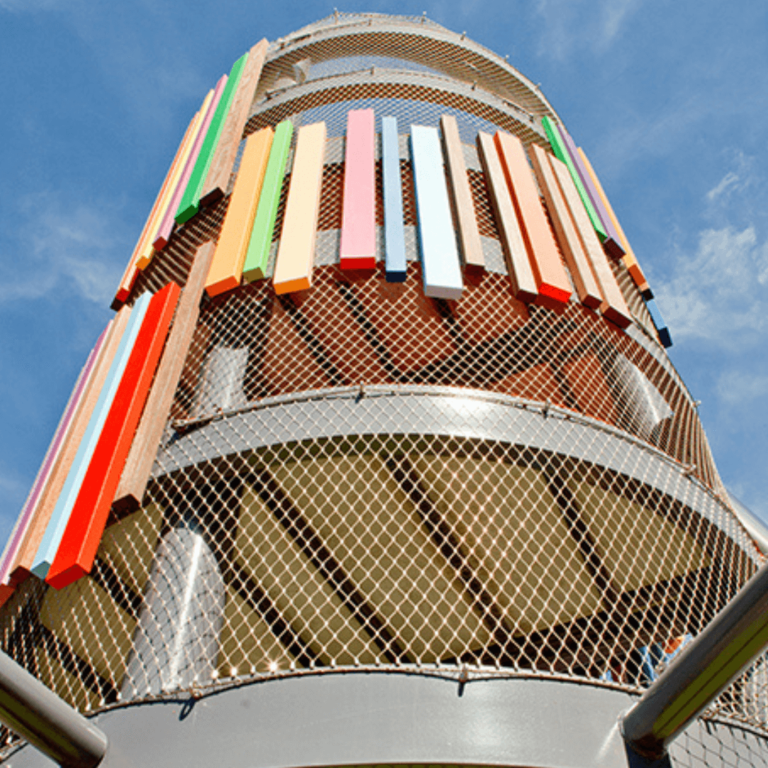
point(669, 100)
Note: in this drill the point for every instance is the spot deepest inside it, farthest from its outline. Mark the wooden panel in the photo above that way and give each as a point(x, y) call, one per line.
point(257, 255)
point(166, 225)
point(150, 227)
point(613, 307)
point(548, 272)
point(33, 537)
point(296, 254)
point(227, 266)
point(561, 153)
point(358, 217)
point(138, 466)
point(49, 462)
point(570, 243)
point(518, 264)
point(190, 201)
point(394, 234)
point(630, 260)
point(61, 512)
point(469, 235)
point(164, 212)
point(223, 160)
point(611, 241)
point(440, 267)
point(82, 535)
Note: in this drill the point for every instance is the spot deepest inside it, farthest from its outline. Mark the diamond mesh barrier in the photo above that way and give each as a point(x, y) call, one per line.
point(391, 548)
point(360, 475)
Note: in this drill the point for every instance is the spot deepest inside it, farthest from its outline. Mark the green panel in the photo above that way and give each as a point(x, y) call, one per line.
point(190, 202)
point(255, 267)
point(562, 153)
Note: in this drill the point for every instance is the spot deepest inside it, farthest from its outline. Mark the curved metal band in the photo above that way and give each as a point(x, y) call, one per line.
point(448, 412)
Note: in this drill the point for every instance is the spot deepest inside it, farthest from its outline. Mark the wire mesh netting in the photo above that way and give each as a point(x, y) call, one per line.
point(406, 549)
point(252, 344)
point(292, 59)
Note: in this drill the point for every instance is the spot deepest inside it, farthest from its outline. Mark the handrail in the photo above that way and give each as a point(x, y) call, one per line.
point(726, 647)
point(47, 722)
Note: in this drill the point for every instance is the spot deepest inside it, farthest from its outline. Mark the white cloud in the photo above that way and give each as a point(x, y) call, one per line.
point(726, 186)
point(571, 25)
point(716, 294)
point(735, 181)
point(72, 250)
point(740, 386)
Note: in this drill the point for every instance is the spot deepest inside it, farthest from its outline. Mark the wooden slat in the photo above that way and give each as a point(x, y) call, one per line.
point(147, 234)
point(82, 535)
point(548, 271)
point(560, 149)
point(661, 327)
point(61, 512)
point(583, 278)
point(630, 260)
point(466, 219)
point(138, 466)
point(358, 215)
point(51, 456)
point(257, 256)
point(394, 233)
point(223, 161)
point(613, 307)
point(296, 254)
point(22, 564)
point(190, 201)
point(441, 269)
point(148, 250)
point(518, 264)
point(227, 267)
point(165, 228)
point(611, 241)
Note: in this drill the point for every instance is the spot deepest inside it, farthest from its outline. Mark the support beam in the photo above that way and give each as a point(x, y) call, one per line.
point(466, 218)
point(37, 714)
point(138, 466)
point(726, 647)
